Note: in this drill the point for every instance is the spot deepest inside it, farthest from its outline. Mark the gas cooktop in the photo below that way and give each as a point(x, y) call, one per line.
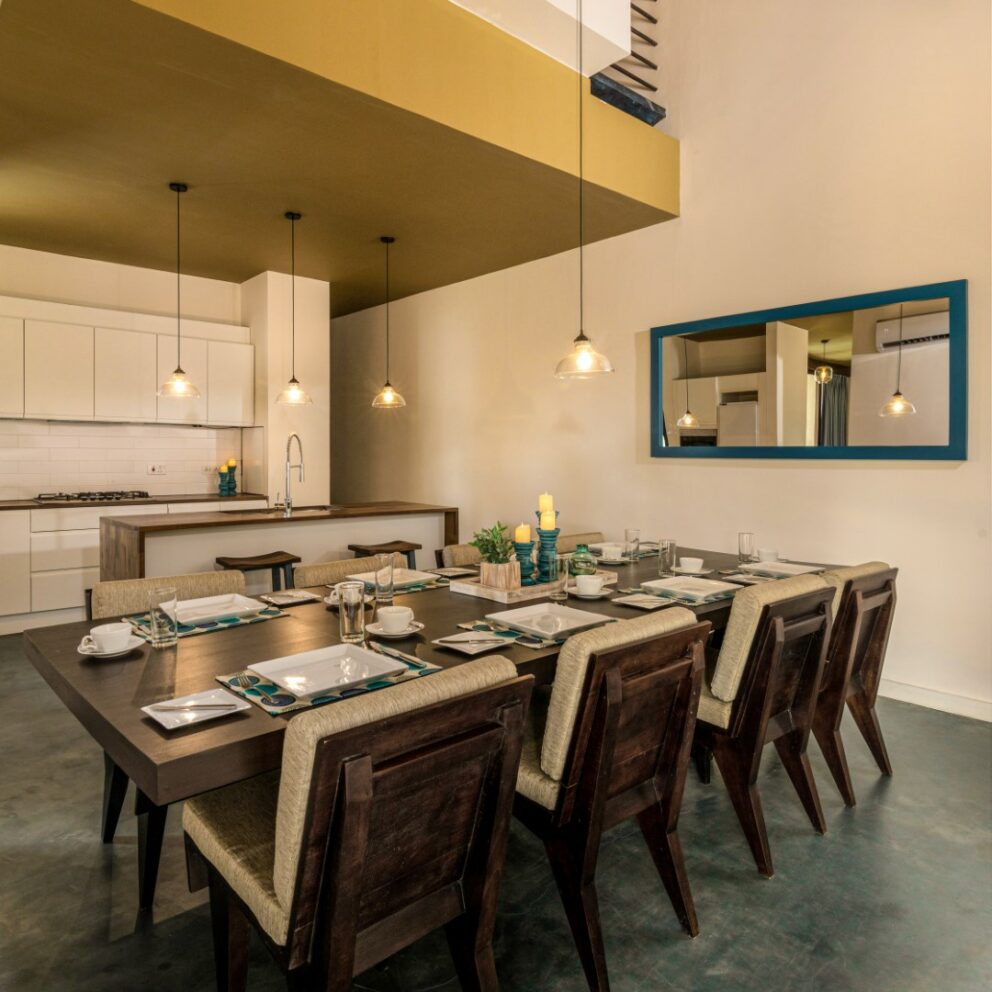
point(113, 496)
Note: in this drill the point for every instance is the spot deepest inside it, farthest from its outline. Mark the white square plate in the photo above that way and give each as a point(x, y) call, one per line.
point(780, 569)
point(473, 642)
point(697, 590)
point(454, 571)
point(643, 601)
point(214, 607)
point(402, 578)
point(548, 620)
point(173, 719)
point(338, 666)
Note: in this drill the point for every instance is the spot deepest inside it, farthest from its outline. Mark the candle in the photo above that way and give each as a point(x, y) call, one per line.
point(522, 534)
point(223, 469)
point(548, 521)
point(546, 504)
point(233, 462)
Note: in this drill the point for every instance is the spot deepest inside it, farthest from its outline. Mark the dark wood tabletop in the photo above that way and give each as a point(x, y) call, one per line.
point(106, 696)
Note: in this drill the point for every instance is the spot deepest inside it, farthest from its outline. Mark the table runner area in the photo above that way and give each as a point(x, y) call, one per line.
point(140, 623)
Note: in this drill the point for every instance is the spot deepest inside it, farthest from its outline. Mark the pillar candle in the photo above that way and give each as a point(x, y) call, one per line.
point(223, 469)
point(546, 504)
point(233, 462)
point(548, 521)
point(522, 534)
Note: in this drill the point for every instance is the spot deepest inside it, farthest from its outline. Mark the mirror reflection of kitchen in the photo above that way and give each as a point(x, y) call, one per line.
point(877, 376)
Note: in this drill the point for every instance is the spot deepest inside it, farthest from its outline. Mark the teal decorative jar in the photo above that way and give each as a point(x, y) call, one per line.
point(583, 561)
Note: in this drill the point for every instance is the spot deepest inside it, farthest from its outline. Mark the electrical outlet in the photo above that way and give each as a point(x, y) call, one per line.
point(156, 470)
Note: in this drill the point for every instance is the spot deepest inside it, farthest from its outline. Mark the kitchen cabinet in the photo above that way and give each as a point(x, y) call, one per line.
point(63, 589)
point(58, 370)
point(11, 367)
point(230, 384)
point(125, 373)
point(15, 562)
point(194, 362)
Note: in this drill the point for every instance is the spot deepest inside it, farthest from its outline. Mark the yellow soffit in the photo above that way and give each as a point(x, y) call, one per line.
point(437, 60)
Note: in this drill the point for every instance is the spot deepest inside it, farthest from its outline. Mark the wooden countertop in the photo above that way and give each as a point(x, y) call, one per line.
point(33, 504)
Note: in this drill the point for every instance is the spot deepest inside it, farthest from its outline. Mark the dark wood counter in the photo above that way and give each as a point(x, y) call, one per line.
point(33, 504)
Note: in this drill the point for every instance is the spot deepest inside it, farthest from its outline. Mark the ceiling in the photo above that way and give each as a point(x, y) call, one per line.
point(102, 104)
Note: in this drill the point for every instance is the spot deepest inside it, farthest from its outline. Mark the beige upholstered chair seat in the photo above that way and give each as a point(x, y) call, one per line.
point(122, 596)
point(328, 573)
point(459, 555)
point(567, 543)
point(531, 779)
point(713, 710)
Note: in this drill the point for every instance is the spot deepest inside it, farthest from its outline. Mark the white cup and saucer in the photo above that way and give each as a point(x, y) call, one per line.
point(767, 554)
point(612, 554)
point(394, 621)
point(109, 640)
point(691, 566)
point(588, 587)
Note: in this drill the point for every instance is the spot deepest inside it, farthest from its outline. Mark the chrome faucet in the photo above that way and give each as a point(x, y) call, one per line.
point(288, 506)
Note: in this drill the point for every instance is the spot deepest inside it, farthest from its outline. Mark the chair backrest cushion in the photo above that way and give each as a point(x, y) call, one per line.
point(119, 597)
point(455, 555)
point(743, 625)
point(839, 577)
point(569, 542)
point(308, 728)
point(328, 573)
point(570, 676)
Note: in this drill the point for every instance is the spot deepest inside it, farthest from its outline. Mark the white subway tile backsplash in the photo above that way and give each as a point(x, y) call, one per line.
point(48, 441)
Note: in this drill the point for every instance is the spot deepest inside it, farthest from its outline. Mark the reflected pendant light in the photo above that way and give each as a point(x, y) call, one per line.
point(294, 394)
point(897, 405)
point(583, 361)
point(688, 419)
point(387, 398)
point(177, 385)
point(823, 373)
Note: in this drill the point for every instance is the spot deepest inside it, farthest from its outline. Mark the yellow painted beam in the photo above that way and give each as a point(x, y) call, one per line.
point(437, 60)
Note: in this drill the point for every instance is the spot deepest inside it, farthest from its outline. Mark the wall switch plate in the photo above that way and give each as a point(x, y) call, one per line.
point(156, 470)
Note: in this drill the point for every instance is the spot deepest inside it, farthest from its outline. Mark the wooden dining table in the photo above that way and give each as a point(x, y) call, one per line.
point(168, 766)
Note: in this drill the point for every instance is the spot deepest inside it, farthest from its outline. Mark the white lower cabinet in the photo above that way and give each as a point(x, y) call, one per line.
point(15, 562)
point(63, 589)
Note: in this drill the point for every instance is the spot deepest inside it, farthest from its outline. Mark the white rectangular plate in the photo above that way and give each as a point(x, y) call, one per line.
point(230, 604)
point(780, 569)
point(454, 571)
point(743, 579)
point(402, 577)
point(643, 601)
point(290, 597)
point(338, 666)
point(548, 620)
point(173, 719)
point(460, 642)
point(688, 588)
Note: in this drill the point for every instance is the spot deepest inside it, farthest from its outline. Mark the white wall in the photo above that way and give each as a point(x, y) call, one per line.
point(828, 150)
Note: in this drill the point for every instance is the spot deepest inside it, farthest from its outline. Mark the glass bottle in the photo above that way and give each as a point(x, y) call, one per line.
point(583, 561)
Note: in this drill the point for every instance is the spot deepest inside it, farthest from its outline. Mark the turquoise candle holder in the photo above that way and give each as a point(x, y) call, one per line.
point(524, 550)
point(546, 553)
point(227, 484)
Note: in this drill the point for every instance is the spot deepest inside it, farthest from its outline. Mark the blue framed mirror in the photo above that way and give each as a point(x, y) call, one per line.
point(880, 375)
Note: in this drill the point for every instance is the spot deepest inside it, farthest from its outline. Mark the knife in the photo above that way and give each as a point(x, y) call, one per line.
point(195, 706)
point(410, 659)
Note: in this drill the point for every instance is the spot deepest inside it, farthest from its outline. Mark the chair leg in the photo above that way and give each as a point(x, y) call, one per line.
point(703, 757)
point(582, 910)
point(796, 760)
point(740, 775)
point(666, 849)
point(867, 721)
point(288, 582)
point(114, 792)
point(277, 578)
point(232, 933)
point(473, 955)
point(832, 748)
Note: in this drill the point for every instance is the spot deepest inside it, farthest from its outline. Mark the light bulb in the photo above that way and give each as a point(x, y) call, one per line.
point(897, 406)
point(388, 399)
point(823, 374)
point(178, 387)
point(688, 419)
point(583, 361)
point(294, 395)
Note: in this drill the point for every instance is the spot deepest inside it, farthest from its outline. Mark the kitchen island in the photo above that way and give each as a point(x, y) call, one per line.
point(177, 544)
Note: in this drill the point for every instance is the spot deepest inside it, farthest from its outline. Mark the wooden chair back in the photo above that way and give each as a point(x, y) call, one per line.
point(406, 829)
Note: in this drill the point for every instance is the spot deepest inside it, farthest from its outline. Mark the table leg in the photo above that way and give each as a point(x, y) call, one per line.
point(114, 791)
point(151, 830)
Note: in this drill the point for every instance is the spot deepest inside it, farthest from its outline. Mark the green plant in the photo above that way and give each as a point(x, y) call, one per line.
point(494, 544)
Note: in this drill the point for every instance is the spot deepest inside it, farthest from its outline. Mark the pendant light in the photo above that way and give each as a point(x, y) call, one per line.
point(294, 394)
point(897, 405)
point(688, 419)
point(583, 361)
point(387, 398)
point(823, 373)
point(177, 386)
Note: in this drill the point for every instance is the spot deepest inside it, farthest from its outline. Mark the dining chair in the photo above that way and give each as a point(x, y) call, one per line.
point(612, 741)
point(329, 573)
point(864, 605)
point(764, 690)
point(389, 818)
point(567, 543)
point(457, 555)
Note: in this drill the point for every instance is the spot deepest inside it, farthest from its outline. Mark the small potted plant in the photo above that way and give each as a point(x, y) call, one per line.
point(500, 568)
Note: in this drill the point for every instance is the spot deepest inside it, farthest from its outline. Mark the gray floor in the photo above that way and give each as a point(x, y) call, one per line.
point(897, 895)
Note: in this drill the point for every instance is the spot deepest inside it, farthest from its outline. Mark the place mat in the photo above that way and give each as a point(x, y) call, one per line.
point(269, 697)
point(140, 623)
point(512, 636)
point(439, 583)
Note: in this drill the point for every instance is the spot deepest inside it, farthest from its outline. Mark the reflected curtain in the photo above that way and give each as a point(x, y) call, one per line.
point(836, 394)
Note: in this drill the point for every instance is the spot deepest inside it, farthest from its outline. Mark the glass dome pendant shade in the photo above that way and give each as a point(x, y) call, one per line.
point(823, 373)
point(583, 361)
point(387, 398)
point(688, 419)
point(178, 386)
point(294, 394)
point(897, 405)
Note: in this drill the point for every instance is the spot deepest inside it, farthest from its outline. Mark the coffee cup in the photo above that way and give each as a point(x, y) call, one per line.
point(589, 585)
point(611, 551)
point(107, 638)
point(767, 554)
point(691, 564)
point(395, 619)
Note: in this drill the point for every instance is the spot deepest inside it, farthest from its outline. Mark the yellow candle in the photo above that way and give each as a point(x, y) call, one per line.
point(522, 534)
point(548, 521)
point(233, 462)
point(546, 504)
point(223, 469)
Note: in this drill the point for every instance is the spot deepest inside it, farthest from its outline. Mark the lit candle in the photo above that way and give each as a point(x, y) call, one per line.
point(223, 469)
point(522, 534)
point(548, 521)
point(232, 462)
point(546, 504)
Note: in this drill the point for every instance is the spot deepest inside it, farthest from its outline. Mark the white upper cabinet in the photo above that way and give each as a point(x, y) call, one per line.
point(11, 367)
point(194, 363)
point(230, 384)
point(58, 370)
point(125, 375)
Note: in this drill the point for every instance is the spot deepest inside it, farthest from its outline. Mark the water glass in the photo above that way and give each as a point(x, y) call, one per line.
point(163, 621)
point(384, 580)
point(745, 547)
point(351, 611)
point(631, 542)
point(558, 569)
point(666, 556)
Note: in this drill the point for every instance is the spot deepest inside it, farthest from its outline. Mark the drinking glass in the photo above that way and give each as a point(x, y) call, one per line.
point(558, 569)
point(384, 580)
point(351, 611)
point(745, 547)
point(631, 542)
point(163, 621)
point(666, 556)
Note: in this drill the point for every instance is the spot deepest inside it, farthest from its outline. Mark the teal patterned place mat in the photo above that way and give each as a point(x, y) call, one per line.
point(140, 623)
point(275, 701)
point(512, 636)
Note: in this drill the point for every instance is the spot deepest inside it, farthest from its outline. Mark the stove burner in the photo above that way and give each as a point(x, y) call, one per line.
point(113, 496)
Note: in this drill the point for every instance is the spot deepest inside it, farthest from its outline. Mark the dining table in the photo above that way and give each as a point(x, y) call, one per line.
point(168, 766)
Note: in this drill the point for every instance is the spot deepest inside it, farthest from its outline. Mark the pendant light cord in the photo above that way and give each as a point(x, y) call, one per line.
point(582, 331)
point(292, 283)
point(387, 312)
point(899, 358)
point(179, 188)
point(685, 348)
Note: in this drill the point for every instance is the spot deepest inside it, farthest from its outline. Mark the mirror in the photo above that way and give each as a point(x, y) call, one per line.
point(881, 375)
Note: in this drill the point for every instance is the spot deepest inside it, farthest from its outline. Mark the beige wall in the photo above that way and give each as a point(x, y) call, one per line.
point(801, 182)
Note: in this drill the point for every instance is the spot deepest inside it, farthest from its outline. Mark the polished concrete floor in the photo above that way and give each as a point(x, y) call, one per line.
point(896, 896)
